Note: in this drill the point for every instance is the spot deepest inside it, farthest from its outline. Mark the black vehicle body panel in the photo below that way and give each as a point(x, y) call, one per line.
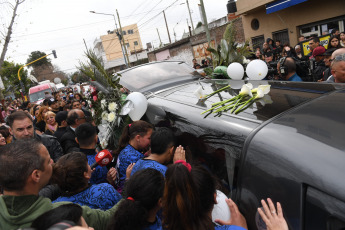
point(292, 150)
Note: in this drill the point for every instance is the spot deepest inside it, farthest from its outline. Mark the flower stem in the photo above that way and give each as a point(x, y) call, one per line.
point(219, 90)
point(239, 109)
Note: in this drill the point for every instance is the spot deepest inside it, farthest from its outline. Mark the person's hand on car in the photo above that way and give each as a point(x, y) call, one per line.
point(236, 217)
point(180, 154)
point(273, 219)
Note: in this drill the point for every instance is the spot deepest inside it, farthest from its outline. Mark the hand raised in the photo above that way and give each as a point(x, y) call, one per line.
point(273, 219)
point(180, 154)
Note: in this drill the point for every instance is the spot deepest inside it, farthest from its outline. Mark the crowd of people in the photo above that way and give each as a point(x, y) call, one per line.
point(288, 63)
point(48, 175)
point(46, 179)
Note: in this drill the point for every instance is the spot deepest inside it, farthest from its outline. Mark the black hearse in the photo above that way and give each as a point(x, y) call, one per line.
point(291, 149)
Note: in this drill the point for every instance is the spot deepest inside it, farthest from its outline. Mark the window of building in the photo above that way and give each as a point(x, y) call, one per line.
point(258, 41)
point(127, 45)
point(123, 32)
point(282, 36)
point(255, 24)
point(130, 31)
point(135, 43)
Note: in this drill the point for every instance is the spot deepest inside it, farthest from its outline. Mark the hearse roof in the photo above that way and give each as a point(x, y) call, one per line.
point(282, 97)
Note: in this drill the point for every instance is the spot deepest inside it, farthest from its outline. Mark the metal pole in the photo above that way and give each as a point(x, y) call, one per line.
point(167, 26)
point(123, 40)
point(205, 22)
point(190, 16)
point(124, 57)
point(159, 38)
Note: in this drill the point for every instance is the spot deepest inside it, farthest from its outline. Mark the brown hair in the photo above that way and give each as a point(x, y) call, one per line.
point(130, 131)
point(68, 172)
point(39, 116)
point(188, 198)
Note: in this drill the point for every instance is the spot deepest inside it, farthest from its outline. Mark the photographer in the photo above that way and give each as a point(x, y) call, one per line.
point(287, 69)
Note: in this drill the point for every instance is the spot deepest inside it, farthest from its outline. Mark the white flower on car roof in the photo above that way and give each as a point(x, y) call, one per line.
point(246, 90)
point(199, 93)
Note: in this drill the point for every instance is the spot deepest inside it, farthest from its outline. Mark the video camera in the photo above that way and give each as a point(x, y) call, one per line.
point(304, 69)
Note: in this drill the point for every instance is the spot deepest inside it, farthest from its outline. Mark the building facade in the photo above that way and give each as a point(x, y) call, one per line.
point(109, 49)
point(111, 43)
point(301, 17)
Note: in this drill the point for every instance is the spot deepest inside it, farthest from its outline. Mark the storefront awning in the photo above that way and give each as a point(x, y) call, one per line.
point(281, 4)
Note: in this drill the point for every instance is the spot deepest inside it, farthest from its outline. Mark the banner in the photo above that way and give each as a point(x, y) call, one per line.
point(305, 44)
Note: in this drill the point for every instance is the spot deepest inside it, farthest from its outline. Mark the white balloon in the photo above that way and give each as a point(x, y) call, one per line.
point(221, 210)
point(257, 70)
point(139, 102)
point(235, 71)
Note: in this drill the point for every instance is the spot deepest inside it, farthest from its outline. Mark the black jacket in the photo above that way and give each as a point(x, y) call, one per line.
point(52, 144)
point(318, 71)
point(59, 133)
point(68, 142)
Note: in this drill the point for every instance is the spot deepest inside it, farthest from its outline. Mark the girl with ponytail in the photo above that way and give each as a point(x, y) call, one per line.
point(189, 197)
point(144, 191)
point(134, 141)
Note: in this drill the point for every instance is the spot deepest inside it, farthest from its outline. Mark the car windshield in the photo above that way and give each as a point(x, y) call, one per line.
point(151, 74)
point(38, 95)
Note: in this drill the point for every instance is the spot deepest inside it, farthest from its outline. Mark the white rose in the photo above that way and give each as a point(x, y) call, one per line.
point(111, 117)
point(103, 104)
point(105, 116)
point(93, 112)
point(112, 106)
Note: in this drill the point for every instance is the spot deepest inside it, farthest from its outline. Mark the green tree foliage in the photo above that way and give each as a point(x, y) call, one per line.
point(229, 51)
point(9, 74)
point(79, 76)
point(36, 55)
point(198, 25)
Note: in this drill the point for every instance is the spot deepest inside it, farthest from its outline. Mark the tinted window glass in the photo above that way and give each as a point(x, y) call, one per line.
point(146, 75)
point(282, 96)
point(38, 95)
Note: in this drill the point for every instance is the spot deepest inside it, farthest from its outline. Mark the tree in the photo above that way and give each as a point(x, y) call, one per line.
point(79, 76)
point(9, 33)
point(36, 55)
point(9, 72)
point(198, 25)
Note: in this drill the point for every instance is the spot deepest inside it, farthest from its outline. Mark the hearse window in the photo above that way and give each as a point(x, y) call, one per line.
point(277, 101)
point(323, 211)
point(147, 75)
point(217, 151)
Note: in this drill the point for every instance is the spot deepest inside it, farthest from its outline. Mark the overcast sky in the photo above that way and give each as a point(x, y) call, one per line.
point(62, 25)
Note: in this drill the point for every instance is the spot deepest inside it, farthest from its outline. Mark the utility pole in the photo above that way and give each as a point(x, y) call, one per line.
point(167, 26)
point(190, 16)
point(189, 29)
point(205, 22)
point(160, 41)
point(123, 40)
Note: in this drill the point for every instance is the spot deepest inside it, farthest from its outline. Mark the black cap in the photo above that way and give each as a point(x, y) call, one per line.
point(61, 116)
point(51, 101)
point(268, 54)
